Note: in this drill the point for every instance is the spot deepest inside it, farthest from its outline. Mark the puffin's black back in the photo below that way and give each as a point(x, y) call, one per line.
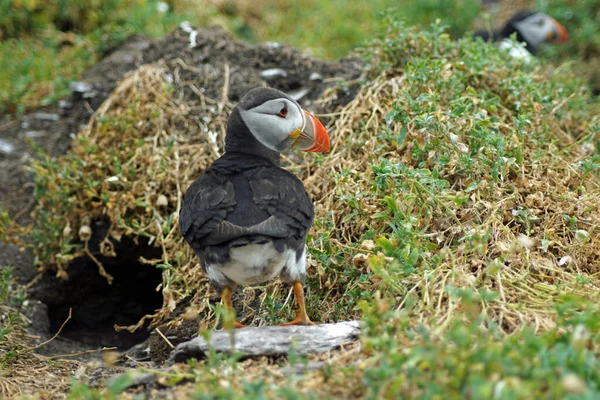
point(508, 29)
point(245, 197)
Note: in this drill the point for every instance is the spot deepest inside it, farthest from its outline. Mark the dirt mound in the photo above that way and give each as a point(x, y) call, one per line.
point(184, 83)
point(206, 58)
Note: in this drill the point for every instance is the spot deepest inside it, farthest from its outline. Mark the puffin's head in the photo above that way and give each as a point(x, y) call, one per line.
point(278, 122)
point(537, 28)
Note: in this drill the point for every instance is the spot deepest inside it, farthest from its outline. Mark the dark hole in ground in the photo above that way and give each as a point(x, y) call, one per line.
point(98, 306)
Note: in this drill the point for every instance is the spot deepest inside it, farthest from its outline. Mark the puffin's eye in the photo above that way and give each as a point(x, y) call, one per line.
point(283, 112)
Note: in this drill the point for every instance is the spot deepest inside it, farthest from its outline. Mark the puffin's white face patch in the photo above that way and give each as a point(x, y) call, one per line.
point(535, 28)
point(516, 50)
point(273, 121)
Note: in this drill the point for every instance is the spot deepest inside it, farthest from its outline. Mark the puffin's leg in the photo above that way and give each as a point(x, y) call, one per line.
point(226, 301)
point(302, 318)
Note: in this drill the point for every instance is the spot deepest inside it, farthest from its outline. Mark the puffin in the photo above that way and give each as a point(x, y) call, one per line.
point(533, 28)
point(245, 217)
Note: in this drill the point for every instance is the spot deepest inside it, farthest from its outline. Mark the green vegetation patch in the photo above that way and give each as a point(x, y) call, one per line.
point(333, 29)
point(45, 45)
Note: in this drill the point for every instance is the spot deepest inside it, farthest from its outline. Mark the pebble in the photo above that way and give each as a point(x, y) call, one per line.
point(46, 116)
point(298, 94)
point(6, 147)
point(273, 72)
point(80, 87)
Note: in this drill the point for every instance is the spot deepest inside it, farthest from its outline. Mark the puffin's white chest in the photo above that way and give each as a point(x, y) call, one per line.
point(253, 264)
point(516, 50)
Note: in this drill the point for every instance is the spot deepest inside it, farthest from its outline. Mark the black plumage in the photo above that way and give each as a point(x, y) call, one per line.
point(246, 218)
point(509, 29)
point(244, 198)
point(533, 28)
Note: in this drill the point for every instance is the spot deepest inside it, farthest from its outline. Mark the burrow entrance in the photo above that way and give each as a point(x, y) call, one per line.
point(96, 305)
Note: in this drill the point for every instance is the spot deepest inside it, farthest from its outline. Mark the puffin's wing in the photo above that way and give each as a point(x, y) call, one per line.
point(206, 204)
point(283, 196)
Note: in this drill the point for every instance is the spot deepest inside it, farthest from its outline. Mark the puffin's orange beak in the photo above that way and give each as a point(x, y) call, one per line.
point(313, 137)
point(560, 34)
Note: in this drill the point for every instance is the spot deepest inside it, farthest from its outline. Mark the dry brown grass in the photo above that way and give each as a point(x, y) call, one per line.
point(25, 373)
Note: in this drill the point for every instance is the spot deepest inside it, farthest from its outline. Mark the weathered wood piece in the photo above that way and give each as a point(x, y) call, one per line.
point(270, 341)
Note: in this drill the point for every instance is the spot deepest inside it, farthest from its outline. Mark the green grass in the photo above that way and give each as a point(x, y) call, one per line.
point(476, 360)
point(400, 360)
point(11, 321)
point(37, 66)
point(43, 72)
point(331, 29)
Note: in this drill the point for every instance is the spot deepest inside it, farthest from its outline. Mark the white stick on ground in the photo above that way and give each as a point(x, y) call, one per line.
point(270, 341)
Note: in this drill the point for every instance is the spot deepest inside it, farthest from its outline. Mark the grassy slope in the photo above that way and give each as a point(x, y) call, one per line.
point(461, 226)
point(470, 284)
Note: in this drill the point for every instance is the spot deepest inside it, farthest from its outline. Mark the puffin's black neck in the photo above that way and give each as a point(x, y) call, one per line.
point(239, 139)
point(508, 30)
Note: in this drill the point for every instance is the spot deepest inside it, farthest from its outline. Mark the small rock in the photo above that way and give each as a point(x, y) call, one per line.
point(139, 352)
point(299, 94)
point(368, 245)
point(565, 260)
point(65, 104)
point(46, 116)
point(34, 134)
point(80, 372)
point(162, 201)
point(6, 147)
point(273, 73)
point(80, 87)
point(300, 369)
point(315, 76)
point(89, 95)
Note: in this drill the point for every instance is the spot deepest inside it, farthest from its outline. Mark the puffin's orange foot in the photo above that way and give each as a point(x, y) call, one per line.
point(302, 318)
point(226, 300)
point(299, 321)
point(237, 325)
